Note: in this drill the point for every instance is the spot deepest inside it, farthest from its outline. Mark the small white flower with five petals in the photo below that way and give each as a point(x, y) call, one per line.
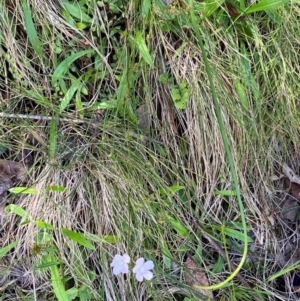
point(142, 269)
point(120, 264)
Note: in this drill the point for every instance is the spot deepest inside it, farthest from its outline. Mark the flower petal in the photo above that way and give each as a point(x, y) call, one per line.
point(125, 269)
point(138, 264)
point(148, 275)
point(148, 265)
point(139, 276)
point(126, 258)
point(117, 270)
point(116, 260)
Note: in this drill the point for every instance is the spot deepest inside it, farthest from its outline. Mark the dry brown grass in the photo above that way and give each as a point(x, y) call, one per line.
point(117, 184)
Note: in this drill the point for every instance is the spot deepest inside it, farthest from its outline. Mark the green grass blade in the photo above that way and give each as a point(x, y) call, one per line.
point(122, 90)
point(228, 153)
point(47, 265)
point(240, 90)
point(265, 4)
point(58, 285)
point(290, 268)
point(247, 73)
point(31, 32)
point(5, 250)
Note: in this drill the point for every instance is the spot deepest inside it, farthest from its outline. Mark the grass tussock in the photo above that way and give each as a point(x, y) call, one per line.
point(112, 113)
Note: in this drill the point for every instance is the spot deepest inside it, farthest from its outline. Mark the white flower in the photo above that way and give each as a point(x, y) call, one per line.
point(120, 264)
point(142, 269)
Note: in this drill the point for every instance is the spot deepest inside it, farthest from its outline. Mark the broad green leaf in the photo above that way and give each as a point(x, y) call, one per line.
point(210, 6)
point(234, 233)
point(146, 5)
point(181, 105)
point(68, 96)
point(112, 239)
point(73, 293)
point(5, 250)
point(219, 265)
point(166, 254)
point(175, 188)
point(68, 17)
point(76, 11)
point(30, 29)
point(78, 237)
point(163, 78)
point(44, 225)
point(143, 49)
point(23, 190)
point(79, 104)
point(265, 4)
point(122, 90)
point(64, 66)
point(57, 188)
point(12, 208)
point(178, 226)
point(274, 16)
point(81, 25)
point(167, 261)
point(175, 93)
point(84, 90)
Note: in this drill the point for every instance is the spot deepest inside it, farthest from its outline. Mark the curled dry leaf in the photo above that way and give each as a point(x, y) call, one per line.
point(194, 275)
point(291, 174)
point(11, 170)
point(294, 182)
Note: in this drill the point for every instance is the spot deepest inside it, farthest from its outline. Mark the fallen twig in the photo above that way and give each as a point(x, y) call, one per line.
point(90, 122)
point(39, 117)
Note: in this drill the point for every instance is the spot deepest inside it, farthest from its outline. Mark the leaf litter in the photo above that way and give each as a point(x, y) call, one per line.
point(195, 276)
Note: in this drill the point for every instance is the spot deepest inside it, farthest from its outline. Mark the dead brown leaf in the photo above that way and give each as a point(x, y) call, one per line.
point(11, 170)
point(295, 191)
point(195, 275)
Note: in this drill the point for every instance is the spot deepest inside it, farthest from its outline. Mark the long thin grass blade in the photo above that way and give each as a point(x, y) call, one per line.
point(31, 32)
point(265, 4)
